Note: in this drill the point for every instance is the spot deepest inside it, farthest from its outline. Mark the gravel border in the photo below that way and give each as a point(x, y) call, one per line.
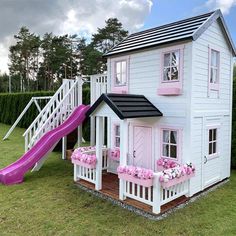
point(148, 214)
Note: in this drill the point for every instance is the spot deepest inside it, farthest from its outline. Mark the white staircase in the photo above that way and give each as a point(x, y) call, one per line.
point(57, 110)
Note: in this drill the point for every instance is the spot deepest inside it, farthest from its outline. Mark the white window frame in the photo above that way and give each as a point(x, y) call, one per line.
point(171, 87)
point(171, 66)
point(178, 143)
point(216, 154)
point(119, 88)
point(115, 135)
point(122, 74)
point(212, 85)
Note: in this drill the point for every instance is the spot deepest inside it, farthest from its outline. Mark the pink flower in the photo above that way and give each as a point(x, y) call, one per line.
point(160, 162)
point(121, 169)
point(115, 154)
point(79, 154)
point(137, 172)
point(161, 178)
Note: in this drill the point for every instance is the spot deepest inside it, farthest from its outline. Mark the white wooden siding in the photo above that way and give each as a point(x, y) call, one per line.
point(203, 106)
point(145, 76)
point(213, 37)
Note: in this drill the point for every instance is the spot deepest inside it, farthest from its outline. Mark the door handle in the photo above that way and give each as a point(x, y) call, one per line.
point(205, 160)
point(134, 152)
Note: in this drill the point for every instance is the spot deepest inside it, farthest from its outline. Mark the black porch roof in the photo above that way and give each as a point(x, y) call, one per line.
point(127, 105)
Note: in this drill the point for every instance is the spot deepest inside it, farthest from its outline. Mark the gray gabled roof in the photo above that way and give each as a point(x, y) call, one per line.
point(127, 105)
point(190, 28)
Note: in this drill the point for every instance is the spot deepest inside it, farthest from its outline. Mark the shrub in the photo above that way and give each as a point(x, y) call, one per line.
point(11, 105)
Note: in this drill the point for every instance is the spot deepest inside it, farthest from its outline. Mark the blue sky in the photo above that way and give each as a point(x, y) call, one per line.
point(163, 12)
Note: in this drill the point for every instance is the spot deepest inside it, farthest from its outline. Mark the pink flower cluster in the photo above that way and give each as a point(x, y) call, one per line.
point(166, 163)
point(79, 155)
point(138, 172)
point(115, 154)
point(176, 172)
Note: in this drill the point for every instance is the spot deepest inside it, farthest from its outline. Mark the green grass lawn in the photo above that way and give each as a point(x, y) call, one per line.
point(48, 203)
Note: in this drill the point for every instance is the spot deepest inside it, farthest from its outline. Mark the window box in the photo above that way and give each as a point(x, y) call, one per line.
point(176, 181)
point(81, 163)
point(144, 182)
point(169, 91)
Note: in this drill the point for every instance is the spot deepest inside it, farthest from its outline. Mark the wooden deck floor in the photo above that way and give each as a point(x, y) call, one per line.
point(110, 188)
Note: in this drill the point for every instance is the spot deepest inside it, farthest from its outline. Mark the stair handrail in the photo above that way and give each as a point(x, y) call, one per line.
point(60, 105)
point(46, 107)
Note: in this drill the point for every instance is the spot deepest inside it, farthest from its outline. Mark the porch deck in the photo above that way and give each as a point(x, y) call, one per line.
point(110, 188)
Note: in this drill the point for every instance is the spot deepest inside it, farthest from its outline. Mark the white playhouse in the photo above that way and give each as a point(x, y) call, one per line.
point(163, 127)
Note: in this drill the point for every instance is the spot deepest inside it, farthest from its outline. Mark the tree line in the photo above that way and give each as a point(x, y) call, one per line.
point(42, 62)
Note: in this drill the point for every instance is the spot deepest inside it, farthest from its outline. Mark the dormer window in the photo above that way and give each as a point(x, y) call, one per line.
point(119, 83)
point(171, 71)
point(214, 69)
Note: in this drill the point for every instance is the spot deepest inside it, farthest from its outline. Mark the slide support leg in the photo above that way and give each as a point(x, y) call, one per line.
point(64, 147)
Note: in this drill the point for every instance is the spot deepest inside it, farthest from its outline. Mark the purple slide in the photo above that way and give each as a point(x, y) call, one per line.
point(14, 173)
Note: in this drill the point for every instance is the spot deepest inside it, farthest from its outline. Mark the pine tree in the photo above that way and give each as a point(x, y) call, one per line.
point(108, 36)
point(24, 57)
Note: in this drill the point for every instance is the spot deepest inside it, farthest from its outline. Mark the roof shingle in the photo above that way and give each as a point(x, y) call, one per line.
point(190, 28)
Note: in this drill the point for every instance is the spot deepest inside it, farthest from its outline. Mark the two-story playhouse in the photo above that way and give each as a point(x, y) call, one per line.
point(160, 117)
point(169, 95)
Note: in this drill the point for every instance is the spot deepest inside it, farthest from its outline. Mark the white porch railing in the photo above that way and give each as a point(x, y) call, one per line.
point(57, 110)
point(139, 192)
point(176, 191)
point(156, 195)
point(89, 174)
point(82, 172)
point(98, 86)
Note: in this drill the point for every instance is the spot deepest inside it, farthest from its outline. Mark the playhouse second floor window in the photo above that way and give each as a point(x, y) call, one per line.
point(169, 143)
point(214, 67)
point(120, 73)
point(171, 66)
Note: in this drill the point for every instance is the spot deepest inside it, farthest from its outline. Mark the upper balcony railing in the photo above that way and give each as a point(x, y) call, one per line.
point(98, 86)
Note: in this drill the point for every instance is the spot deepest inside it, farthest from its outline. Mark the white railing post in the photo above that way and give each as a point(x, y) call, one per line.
point(123, 155)
point(80, 135)
point(92, 89)
point(64, 147)
point(92, 131)
point(75, 173)
point(79, 102)
point(99, 142)
point(80, 91)
point(156, 207)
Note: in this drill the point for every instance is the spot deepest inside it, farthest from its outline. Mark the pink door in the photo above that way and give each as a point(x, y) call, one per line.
point(142, 146)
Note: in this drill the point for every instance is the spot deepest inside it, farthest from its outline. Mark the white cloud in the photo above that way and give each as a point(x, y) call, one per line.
point(223, 5)
point(82, 17)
